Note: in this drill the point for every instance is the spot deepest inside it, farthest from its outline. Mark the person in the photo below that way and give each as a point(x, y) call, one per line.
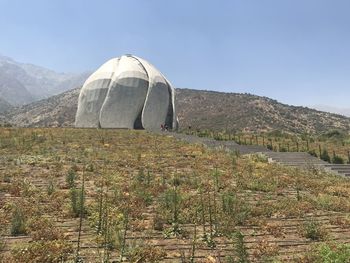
point(162, 127)
point(166, 127)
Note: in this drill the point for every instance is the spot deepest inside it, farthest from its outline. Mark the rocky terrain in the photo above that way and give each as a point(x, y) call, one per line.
point(55, 111)
point(236, 112)
point(200, 110)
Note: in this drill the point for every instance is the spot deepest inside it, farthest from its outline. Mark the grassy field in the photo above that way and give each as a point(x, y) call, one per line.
point(85, 195)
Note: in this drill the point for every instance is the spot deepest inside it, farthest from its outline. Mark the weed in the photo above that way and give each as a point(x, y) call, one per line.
point(18, 222)
point(313, 230)
point(239, 247)
point(70, 178)
point(50, 188)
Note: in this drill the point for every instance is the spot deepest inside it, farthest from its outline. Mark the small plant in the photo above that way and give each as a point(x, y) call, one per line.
point(312, 153)
point(44, 251)
point(173, 231)
point(77, 202)
point(334, 253)
point(325, 156)
point(314, 231)
point(240, 249)
point(2, 246)
point(50, 188)
point(146, 253)
point(330, 253)
point(337, 159)
point(70, 178)
point(18, 222)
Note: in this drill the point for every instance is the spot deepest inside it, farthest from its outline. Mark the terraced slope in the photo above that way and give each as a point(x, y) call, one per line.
point(301, 160)
point(151, 198)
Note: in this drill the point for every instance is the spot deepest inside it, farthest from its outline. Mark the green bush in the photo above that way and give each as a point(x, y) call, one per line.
point(337, 159)
point(70, 178)
point(325, 156)
point(330, 253)
point(240, 249)
point(312, 153)
point(18, 222)
point(314, 231)
point(77, 201)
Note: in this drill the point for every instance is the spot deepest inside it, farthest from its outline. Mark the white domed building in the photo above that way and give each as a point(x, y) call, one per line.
point(126, 92)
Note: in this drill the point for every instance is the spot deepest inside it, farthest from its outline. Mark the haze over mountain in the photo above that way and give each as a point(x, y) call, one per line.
point(342, 111)
point(30, 89)
point(4, 105)
point(22, 83)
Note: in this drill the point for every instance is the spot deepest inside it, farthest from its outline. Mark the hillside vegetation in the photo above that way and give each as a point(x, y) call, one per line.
point(332, 146)
point(107, 195)
point(215, 111)
point(234, 112)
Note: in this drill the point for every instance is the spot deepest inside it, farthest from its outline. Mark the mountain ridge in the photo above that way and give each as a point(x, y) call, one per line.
point(22, 83)
point(199, 109)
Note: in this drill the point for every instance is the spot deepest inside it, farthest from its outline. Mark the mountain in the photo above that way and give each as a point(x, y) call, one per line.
point(236, 112)
point(11, 88)
point(58, 110)
point(200, 110)
point(4, 105)
point(22, 83)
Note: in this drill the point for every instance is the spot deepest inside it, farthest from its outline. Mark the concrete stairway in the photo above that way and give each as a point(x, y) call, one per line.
point(305, 160)
point(341, 169)
point(299, 159)
point(294, 159)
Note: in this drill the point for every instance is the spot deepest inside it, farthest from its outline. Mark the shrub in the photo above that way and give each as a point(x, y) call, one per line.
point(146, 253)
point(312, 153)
point(2, 246)
point(50, 188)
point(43, 229)
point(44, 251)
point(70, 178)
point(337, 159)
point(235, 209)
point(18, 222)
point(330, 253)
point(240, 249)
point(325, 156)
point(314, 231)
point(77, 201)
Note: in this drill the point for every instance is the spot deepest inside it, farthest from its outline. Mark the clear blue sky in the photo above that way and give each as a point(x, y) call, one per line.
point(296, 51)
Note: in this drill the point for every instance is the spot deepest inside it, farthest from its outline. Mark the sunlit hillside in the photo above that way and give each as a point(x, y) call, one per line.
point(89, 195)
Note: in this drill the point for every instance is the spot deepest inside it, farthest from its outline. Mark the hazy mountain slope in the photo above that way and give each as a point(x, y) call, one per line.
point(232, 111)
point(342, 111)
point(4, 105)
point(11, 89)
point(39, 82)
point(58, 110)
point(199, 109)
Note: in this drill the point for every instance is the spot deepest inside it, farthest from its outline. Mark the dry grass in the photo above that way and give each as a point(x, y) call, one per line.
point(150, 198)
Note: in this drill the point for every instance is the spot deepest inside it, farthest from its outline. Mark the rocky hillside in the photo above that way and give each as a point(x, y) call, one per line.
point(22, 83)
point(199, 109)
point(55, 111)
point(234, 111)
